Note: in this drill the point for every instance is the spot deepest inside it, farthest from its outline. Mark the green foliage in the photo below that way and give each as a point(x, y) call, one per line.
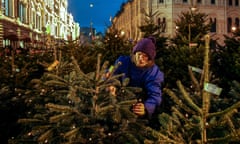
point(199, 115)
point(67, 105)
point(84, 54)
point(226, 60)
point(17, 69)
point(176, 61)
point(115, 44)
point(150, 28)
point(191, 27)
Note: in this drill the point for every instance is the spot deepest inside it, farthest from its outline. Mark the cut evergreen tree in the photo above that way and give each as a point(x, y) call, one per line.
point(69, 106)
point(115, 44)
point(150, 28)
point(193, 119)
point(17, 67)
point(191, 27)
point(226, 60)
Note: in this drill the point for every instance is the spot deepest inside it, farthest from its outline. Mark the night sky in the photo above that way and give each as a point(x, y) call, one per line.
point(99, 13)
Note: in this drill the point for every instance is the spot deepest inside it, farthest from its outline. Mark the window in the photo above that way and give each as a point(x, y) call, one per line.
point(34, 19)
point(230, 2)
point(159, 21)
point(229, 24)
point(161, 1)
point(185, 1)
point(236, 2)
point(5, 7)
point(237, 22)
point(213, 25)
point(22, 12)
point(199, 1)
point(162, 24)
point(212, 1)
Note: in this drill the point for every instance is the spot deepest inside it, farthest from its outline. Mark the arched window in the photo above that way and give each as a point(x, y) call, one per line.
point(213, 2)
point(236, 2)
point(159, 21)
point(229, 24)
point(161, 1)
point(164, 24)
point(22, 12)
point(6, 7)
point(237, 22)
point(214, 25)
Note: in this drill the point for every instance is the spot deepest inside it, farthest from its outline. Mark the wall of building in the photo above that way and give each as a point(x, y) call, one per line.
point(220, 10)
point(30, 21)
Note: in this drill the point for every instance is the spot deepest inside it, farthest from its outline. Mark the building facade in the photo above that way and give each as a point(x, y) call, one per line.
point(224, 13)
point(31, 21)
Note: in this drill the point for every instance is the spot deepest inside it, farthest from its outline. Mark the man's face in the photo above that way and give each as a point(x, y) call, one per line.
point(141, 59)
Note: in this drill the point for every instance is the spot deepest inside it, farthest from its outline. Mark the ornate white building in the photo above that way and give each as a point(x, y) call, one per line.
point(24, 21)
point(224, 13)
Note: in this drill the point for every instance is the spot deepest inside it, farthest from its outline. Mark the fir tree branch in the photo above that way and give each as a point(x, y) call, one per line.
point(227, 110)
point(194, 80)
point(178, 113)
point(45, 136)
point(233, 129)
point(128, 102)
point(62, 108)
point(114, 80)
point(228, 138)
point(86, 90)
point(71, 133)
point(55, 77)
point(56, 118)
point(26, 120)
point(162, 137)
point(178, 101)
point(77, 67)
point(104, 110)
point(187, 97)
point(55, 83)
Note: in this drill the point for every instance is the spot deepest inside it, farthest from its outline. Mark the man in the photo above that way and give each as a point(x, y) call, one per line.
point(142, 71)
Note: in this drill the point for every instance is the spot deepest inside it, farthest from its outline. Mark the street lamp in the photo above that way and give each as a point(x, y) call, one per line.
point(91, 23)
point(233, 29)
point(122, 33)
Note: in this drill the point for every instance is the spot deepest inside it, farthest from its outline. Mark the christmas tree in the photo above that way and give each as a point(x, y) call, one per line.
point(67, 105)
point(198, 116)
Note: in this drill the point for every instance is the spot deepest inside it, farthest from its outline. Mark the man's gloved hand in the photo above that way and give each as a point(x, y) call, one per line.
point(139, 109)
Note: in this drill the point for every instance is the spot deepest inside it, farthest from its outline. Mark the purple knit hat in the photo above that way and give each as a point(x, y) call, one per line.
point(146, 45)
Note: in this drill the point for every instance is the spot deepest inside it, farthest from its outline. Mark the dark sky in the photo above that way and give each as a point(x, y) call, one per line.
point(99, 13)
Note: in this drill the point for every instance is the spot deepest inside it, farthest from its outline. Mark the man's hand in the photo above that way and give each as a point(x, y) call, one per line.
point(139, 109)
point(112, 90)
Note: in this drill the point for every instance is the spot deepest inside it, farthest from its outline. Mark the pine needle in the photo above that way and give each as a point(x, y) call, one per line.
point(45, 136)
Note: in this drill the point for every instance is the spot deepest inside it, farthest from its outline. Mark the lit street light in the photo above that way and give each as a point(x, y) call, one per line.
point(91, 5)
point(234, 29)
point(91, 23)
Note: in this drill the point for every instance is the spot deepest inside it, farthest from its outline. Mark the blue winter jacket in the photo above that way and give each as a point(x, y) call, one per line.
point(149, 79)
